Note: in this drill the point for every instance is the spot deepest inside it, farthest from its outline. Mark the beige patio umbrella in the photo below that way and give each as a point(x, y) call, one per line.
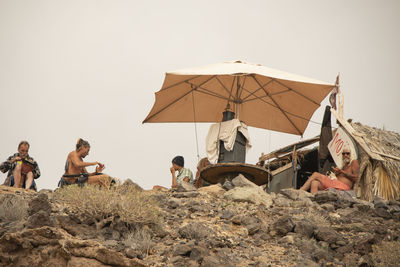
point(261, 97)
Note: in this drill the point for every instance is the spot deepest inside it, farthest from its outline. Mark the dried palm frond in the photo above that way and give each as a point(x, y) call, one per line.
point(379, 177)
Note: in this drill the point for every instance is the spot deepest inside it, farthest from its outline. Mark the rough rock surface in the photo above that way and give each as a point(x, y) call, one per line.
point(206, 227)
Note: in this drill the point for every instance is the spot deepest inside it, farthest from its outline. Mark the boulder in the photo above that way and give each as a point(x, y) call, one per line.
point(287, 239)
point(226, 215)
point(305, 228)
point(128, 182)
point(197, 231)
point(228, 185)
point(327, 234)
point(39, 203)
point(249, 194)
point(280, 201)
point(325, 196)
point(283, 225)
point(253, 228)
point(213, 190)
point(182, 250)
point(39, 219)
point(186, 194)
point(241, 181)
point(210, 261)
point(173, 203)
point(185, 187)
point(295, 194)
point(198, 253)
point(379, 203)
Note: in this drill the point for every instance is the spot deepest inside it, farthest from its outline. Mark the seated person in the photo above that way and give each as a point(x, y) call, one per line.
point(346, 177)
point(184, 174)
point(199, 182)
point(22, 169)
point(75, 168)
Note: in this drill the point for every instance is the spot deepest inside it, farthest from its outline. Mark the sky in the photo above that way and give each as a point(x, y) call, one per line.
point(89, 69)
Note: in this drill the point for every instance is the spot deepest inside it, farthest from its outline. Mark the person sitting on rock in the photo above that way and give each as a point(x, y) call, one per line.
point(346, 177)
point(22, 169)
point(184, 174)
point(75, 168)
point(199, 182)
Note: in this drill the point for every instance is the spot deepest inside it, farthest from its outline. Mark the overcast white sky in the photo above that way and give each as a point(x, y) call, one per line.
point(89, 69)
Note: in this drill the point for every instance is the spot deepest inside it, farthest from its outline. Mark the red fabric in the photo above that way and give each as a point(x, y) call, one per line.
point(328, 183)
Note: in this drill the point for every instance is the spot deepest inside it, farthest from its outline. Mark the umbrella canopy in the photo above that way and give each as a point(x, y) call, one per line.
point(261, 97)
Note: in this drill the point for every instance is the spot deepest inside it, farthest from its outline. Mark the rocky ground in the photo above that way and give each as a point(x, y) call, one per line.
point(236, 224)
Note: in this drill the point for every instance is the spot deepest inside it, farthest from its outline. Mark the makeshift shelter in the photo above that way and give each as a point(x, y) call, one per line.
point(380, 166)
point(291, 165)
point(378, 155)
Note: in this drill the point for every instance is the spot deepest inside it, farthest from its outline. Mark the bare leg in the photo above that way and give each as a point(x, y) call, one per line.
point(103, 179)
point(316, 186)
point(159, 187)
point(17, 176)
point(307, 184)
point(29, 180)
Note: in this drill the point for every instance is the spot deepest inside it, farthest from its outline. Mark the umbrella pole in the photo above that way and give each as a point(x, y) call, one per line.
point(237, 96)
point(195, 128)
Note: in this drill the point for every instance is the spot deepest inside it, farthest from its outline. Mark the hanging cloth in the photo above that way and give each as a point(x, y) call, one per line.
point(225, 131)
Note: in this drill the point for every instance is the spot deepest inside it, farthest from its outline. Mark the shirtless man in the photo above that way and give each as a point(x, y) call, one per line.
point(75, 167)
point(346, 177)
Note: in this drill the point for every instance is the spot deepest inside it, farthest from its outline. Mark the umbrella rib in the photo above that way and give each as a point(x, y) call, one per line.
point(244, 81)
point(277, 106)
point(207, 92)
point(178, 83)
point(252, 93)
point(176, 100)
point(261, 97)
point(233, 83)
point(309, 99)
point(226, 89)
point(167, 106)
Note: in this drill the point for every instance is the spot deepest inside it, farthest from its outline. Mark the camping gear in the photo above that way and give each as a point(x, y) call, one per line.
point(227, 141)
point(238, 152)
point(261, 97)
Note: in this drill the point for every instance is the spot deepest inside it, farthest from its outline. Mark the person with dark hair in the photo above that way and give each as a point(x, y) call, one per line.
point(184, 174)
point(22, 169)
point(75, 168)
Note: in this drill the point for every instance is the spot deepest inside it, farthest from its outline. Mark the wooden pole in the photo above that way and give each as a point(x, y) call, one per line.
point(294, 160)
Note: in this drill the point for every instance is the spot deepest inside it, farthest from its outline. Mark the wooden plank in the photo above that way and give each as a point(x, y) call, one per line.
point(281, 169)
point(288, 149)
point(357, 138)
point(340, 104)
point(387, 155)
point(294, 160)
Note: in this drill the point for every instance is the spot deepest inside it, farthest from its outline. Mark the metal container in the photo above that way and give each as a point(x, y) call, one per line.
point(238, 153)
